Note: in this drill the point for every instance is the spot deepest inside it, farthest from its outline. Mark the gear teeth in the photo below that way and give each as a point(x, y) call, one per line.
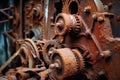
point(78, 24)
point(79, 59)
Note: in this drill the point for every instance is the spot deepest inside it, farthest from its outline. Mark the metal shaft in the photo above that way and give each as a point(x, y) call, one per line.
point(9, 60)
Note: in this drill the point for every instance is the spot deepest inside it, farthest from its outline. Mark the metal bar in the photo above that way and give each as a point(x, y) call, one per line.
point(92, 36)
point(9, 36)
point(6, 9)
point(5, 13)
point(45, 29)
point(2, 21)
point(21, 19)
point(9, 60)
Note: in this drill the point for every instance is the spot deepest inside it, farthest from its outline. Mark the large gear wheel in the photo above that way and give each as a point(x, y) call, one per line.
point(67, 61)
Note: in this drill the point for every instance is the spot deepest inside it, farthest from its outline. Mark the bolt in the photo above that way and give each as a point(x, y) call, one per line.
point(87, 9)
point(102, 72)
point(94, 16)
point(107, 53)
point(53, 66)
point(51, 51)
point(100, 19)
point(10, 17)
point(101, 55)
point(60, 25)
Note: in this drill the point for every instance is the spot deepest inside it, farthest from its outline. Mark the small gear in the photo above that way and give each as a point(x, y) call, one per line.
point(48, 49)
point(77, 25)
point(88, 57)
point(79, 59)
point(62, 23)
point(68, 23)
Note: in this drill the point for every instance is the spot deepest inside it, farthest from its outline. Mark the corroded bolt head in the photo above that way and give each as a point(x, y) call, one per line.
point(94, 16)
point(100, 19)
point(102, 72)
point(10, 17)
point(107, 53)
point(101, 55)
point(52, 66)
point(87, 9)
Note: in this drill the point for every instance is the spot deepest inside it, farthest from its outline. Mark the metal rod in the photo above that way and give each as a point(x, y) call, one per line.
point(2, 21)
point(45, 29)
point(5, 13)
point(6, 9)
point(9, 36)
point(92, 36)
point(9, 60)
point(21, 19)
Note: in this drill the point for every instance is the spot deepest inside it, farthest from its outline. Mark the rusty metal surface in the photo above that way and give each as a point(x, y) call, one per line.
point(64, 40)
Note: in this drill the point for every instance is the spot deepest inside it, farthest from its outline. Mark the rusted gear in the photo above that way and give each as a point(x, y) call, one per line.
point(79, 59)
point(48, 49)
point(95, 71)
point(67, 61)
point(66, 22)
point(77, 25)
point(62, 23)
point(88, 57)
